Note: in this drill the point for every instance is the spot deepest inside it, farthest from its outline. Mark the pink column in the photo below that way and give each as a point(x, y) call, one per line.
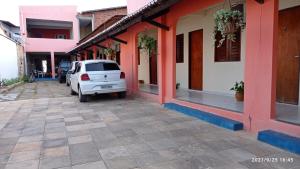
point(161, 55)
point(52, 65)
point(169, 62)
point(260, 66)
point(85, 55)
point(94, 52)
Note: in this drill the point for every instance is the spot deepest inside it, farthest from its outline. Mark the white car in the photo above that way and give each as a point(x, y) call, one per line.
point(96, 77)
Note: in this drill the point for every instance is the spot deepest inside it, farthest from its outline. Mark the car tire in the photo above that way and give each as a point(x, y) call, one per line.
point(82, 98)
point(122, 95)
point(72, 91)
point(67, 83)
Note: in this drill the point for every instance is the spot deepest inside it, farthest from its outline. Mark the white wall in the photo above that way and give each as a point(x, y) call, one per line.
point(8, 59)
point(283, 4)
point(217, 76)
point(143, 68)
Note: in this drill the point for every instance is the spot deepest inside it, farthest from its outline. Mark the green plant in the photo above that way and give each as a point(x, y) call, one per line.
point(238, 87)
point(25, 78)
point(147, 42)
point(109, 52)
point(8, 82)
point(228, 22)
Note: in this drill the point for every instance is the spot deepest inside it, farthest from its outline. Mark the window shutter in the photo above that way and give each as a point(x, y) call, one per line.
point(235, 48)
point(220, 52)
point(179, 48)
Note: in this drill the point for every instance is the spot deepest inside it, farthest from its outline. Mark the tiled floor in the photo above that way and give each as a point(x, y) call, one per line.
point(288, 113)
point(41, 89)
point(227, 102)
point(106, 133)
point(285, 112)
point(149, 88)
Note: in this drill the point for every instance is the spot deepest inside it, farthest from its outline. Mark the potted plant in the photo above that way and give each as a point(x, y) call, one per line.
point(147, 42)
point(228, 22)
point(110, 53)
point(177, 85)
point(239, 90)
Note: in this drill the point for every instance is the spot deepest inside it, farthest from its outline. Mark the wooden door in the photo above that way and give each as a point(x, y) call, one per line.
point(153, 68)
point(287, 89)
point(196, 60)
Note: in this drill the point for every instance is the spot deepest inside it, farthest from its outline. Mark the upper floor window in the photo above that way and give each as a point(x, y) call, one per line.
point(60, 36)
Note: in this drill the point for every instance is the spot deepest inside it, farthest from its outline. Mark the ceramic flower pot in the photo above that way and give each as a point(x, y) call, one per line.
point(239, 96)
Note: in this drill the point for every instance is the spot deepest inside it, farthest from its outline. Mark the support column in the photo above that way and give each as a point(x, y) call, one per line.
point(94, 52)
point(161, 54)
point(85, 55)
point(260, 64)
point(169, 62)
point(52, 65)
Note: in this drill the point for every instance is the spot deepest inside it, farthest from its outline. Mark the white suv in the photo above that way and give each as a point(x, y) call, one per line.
point(97, 76)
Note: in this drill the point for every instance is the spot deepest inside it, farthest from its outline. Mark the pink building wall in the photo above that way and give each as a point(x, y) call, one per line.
point(260, 66)
point(52, 13)
point(49, 13)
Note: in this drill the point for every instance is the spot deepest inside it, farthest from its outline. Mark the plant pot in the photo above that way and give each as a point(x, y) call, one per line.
point(239, 96)
point(230, 28)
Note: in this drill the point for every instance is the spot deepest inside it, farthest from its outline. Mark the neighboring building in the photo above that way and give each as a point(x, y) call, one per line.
point(48, 33)
point(12, 54)
point(265, 56)
point(92, 19)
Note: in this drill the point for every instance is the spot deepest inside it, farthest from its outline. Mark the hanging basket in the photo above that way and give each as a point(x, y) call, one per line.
point(227, 23)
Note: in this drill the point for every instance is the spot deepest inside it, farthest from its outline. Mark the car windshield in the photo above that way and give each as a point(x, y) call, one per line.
point(100, 66)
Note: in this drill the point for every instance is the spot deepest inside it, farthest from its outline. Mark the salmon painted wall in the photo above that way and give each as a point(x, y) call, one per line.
point(260, 65)
point(49, 13)
point(48, 33)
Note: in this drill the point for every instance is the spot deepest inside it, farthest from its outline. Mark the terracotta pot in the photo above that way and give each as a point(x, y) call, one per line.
point(239, 96)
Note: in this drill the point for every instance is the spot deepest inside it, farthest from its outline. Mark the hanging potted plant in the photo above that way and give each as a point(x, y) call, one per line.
point(239, 90)
point(148, 43)
point(110, 53)
point(228, 22)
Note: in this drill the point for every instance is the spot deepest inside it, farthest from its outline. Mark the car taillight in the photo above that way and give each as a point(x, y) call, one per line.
point(122, 75)
point(85, 77)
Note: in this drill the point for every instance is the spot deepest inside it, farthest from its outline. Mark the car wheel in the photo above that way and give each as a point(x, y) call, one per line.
point(72, 91)
point(82, 98)
point(122, 94)
point(67, 83)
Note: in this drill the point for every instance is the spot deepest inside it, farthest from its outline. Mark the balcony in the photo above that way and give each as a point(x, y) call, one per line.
point(49, 35)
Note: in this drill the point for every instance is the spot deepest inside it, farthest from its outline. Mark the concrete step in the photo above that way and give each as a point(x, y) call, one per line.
point(280, 140)
point(208, 117)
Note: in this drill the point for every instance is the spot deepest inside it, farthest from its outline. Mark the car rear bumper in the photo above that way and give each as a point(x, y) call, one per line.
point(89, 88)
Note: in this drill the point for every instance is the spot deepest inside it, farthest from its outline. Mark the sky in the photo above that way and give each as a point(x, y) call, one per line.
point(10, 9)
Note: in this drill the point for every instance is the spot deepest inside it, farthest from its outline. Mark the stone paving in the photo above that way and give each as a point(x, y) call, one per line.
point(111, 133)
point(40, 89)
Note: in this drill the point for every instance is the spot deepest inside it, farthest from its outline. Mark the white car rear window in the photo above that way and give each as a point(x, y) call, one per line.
point(101, 67)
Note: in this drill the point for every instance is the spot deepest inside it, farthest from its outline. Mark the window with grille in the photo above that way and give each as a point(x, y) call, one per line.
point(179, 48)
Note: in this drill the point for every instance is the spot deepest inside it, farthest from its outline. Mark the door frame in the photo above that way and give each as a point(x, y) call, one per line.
point(284, 10)
point(189, 58)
